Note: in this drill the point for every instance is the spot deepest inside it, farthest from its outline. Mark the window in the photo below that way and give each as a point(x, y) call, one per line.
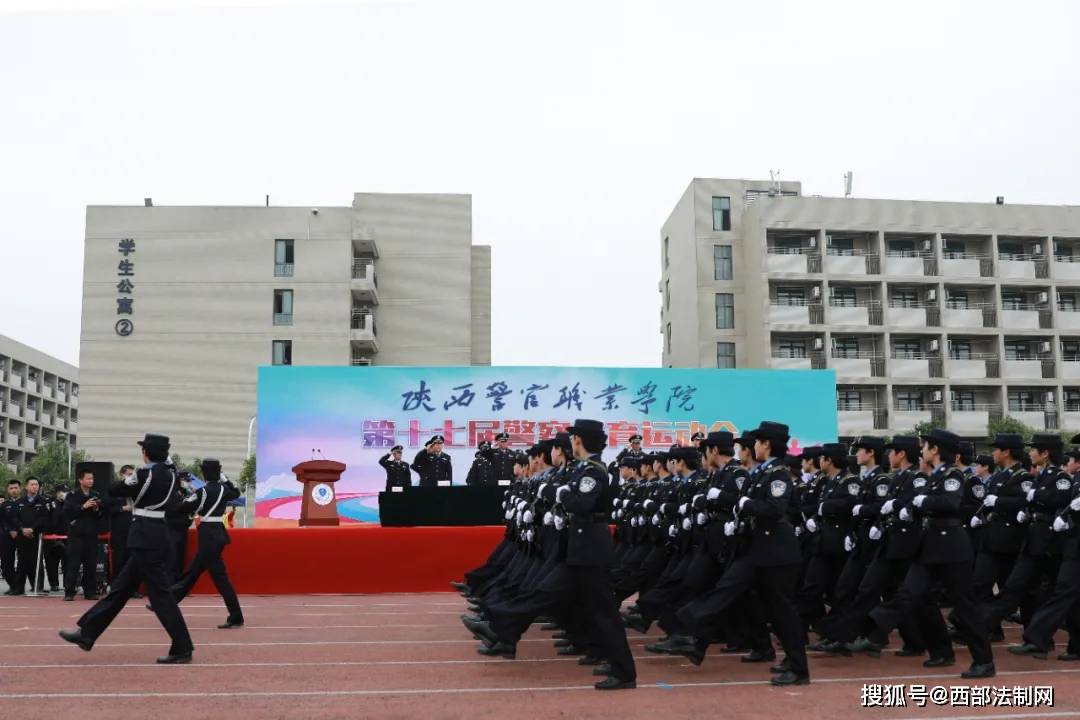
point(1070, 350)
point(1010, 251)
point(665, 252)
point(791, 348)
point(907, 349)
point(960, 349)
point(902, 248)
point(1072, 400)
point(848, 400)
point(667, 294)
point(909, 400)
point(667, 338)
point(725, 355)
point(725, 311)
point(1018, 350)
point(1067, 303)
point(842, 296)
point(283, 258)
point(790, 296)
point(1023, 400)
point(957, 300)
point(721, 257)
point(963, 400)
point(1012, 301)
point(841, 246)
point(283, 307)
point(906, 298)
point(721, 213)
point(282, 350)
point(955, 249)
point(845, 347)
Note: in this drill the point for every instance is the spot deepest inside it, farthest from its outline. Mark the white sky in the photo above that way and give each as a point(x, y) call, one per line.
point(574, 126)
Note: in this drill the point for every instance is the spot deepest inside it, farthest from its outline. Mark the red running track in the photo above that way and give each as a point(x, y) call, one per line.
point(407, 656)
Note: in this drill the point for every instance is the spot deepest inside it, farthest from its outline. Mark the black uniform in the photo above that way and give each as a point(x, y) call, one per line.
point(82, 543)
point(397, 472)
point(502, 464)
point(119, 527)
point(178, 520)
point(149, 548)
point(1063, 605)
point(31, 513)
point(55, 550)
point(9, 528)
point(480, 473)
point(1000, 534)
point(432, 468)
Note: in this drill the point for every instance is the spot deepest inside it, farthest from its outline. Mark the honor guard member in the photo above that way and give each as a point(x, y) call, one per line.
point(481, 473)
point(153, 488)
point(32, 519)
point(83, 512)
point(502, 458)
point(432, 464)
point(209, 503)
point(9, 531)
point(397, 470)
point(945, 558)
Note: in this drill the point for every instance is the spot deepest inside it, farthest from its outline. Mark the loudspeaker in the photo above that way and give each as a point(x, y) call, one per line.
point(103, 477)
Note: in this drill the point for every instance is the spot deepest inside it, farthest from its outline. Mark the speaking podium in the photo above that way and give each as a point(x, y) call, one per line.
point(320, 501)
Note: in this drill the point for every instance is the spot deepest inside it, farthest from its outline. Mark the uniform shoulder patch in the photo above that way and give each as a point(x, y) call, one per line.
point(1064, 483)
point(587, 484)
point(952, 485)
point(854, 488)
point(1025, 485)
point(777, 488)
point(919, 482)
point(978, 491)
point(882, 490)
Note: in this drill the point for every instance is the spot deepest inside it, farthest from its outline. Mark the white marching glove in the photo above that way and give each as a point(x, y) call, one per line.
point(702, 518)
point(976, 521)
point(742, 502)
point(1031, 495)
point(619, 513)
point(798, 530)
point(510, 514)
point(649, 504)
point(918, 500)
point(1021, 517)
point(672, 531)
point(687, 524)
point(887, 507)
point(614, 514)
point(712, 494)
point(729, 528)
point(549, 519)
point(563, 490)
point(527, 516)
point(655, 519)
point(1075, 504)
point(560, 523)
point(849, 544)
point(821, 509)
point(683, 508)
point(905, 515)
point(517, 518)
point(811, 525)
point(875, 533)
point(1060, 525)
point(855, 510)
point(990, 500)
point(696, 498)
point(616, 502)
point(529, 535)
point(522, 505)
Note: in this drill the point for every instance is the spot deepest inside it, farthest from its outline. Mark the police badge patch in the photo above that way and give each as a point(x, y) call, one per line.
point(1026, 485)
point(587, 484)
point(978, 491)
point(853, 488)
point(918, 482)
point(952, 485)
point(882, 490)
point(777, 488)
point(1064, 484)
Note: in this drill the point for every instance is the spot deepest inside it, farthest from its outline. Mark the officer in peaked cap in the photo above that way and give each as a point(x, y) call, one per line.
point(397, 470)
point(432, 464)
point(154, 488)
point(480, 472)
point(502, 458)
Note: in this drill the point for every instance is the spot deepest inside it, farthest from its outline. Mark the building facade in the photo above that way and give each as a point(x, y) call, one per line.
point(39, 402)
point(956, 312)
point(181, 305)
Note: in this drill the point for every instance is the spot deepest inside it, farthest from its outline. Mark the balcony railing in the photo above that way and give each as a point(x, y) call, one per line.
point(364, 269)
point(913, 355)
point(961, 406)
point(283, 269)
point(855, 252)
point(788, 251)
point(283, 319)
point(362, 320)
point(1018, 257)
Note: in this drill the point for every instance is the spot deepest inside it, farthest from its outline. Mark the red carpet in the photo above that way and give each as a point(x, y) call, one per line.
point(349, 559)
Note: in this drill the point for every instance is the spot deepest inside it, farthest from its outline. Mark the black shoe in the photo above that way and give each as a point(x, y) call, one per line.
point(91, 597)
point(820, 645)
point(1015, 618)
point(668, 645)
point(137, 596)
point(614, 683)
point(909, 652)
point(1068, 657)
point(636, 622)
point(691, 652)
point(601, 670)
point(483, 632)
point(460, 586)
point(170, 659)
point(1028, 649)
point(837, 648)
point(54, 589)
point(230, 623)
point(790, 678)
point(499, 649)
point(543, 620)
point(548, 627)
point(733, 649)
point(69, 598)
point(561, 635)
point(475, 609)
point(980, 671)
point(756, 656)
point(16, 593)
point(590, 660)
point(781, 667)
point(569, 651)
point(76, 637)
point(868, 646)
point(149, 607)
point(563, 643)
point(9, 591)
point(939, 662)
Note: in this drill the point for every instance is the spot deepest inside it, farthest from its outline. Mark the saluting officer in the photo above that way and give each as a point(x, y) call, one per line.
point(154, 489)
point(397, 470)
point(432, 464)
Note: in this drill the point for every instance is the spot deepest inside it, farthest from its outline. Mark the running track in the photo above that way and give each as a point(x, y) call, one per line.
point(408, 656)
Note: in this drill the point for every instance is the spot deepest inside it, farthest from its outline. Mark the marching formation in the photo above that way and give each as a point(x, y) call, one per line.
point(732, 540)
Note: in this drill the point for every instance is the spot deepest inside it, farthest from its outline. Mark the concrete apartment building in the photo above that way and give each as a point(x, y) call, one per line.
point(960, 312)
point(181, 305)
point(39, 401)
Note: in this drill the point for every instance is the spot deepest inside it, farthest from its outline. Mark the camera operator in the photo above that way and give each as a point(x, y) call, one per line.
point(83, 509)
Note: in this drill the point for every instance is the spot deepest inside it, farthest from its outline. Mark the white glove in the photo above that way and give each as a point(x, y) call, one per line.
point(855, 510)
point(976, 521)
point(729, 528)
point(742, 502)
point(522, 505)
point(849, 544)
point(1031, 495)
point(990, 500)
point(560, 523)
point(509, 513)
point(619, 513)
point(701, 518)
point(614, 514)
point(1060, 525)
point(821, 509)
point(798, 530)
point(905, 515)
point(887, 507)
point(683, 508)
point(529, 535)
point(517, 518)
point(549, 519)
point(527, 516)
point(616, 502)
point(655, 519)
point(875, 533)
point(672, 531)
point(648, 504)
point(918, 500)
point(712, 494)
point(696, 498)
point(811, 525)
point(1075, 504)
point(687, 524)
point(563, 490)
point(1021, 517)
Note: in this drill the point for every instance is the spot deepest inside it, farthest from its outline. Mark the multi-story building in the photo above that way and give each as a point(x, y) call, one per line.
point(39, 401)
point(181, 305)
point(955, 312)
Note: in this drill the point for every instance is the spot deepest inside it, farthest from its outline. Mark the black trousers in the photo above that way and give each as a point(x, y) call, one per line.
point(7, 559)
point(27, 550)
point(776, 601)
point(208, 559)
point(1022, 587)
point(82, 553)
point(882, 580)
point(1062, 605)
point(143, 566)
point(119, 551)
point(592, 592)
point(819, 582)
point(178, 538)
point(913, 600)
point(55, 554)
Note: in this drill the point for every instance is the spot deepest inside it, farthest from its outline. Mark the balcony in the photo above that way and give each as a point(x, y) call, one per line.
point(1041, 416)
point(283, 269)
point(1028, 367)
point(905, 417)
point(913, 315)
point(903, 262)
point(362, 332)
point(73, 427)
point(858, 364)
point(796, 312)
point(790, 260)
point(14, 411)
point(969, 315)
point(852, 262)
point(854, 313)
point(1070, 367)
point(973, 419)
point(365, 283)
point(48, 392)
point(860, 419)
point(364, 242)
point(1014, 266)
point(915, 365)
point(966, 265)
point(1068, 318)
point(974, 366)
point(29, 443)
point(1067, 267)
point(73, 401)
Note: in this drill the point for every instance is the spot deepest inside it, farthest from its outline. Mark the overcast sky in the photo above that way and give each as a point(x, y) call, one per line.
point(574, 126)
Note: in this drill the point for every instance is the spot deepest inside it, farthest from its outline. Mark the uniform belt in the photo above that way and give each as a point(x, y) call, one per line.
point(152, 514)
point(944, 522)
point(216, 519)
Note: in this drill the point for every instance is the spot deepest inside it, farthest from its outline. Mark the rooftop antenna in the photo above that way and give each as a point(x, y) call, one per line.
point(848, 177)
point(774, 183)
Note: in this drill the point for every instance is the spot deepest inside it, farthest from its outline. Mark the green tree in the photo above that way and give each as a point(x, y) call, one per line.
point(192, 467)
point(247, 475)
point(50, 465)
point(924, 427)
point(1009, 425)
point(6, 474)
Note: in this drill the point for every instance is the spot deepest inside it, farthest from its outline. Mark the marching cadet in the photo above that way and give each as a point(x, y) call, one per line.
point(945, 557)
point(875, 489)
point(209, 503)
point(480, 472)
point(433, 465)
point(154, 489)
point(83, 510)
point(502, 458)
point(9, 532)
point(178, 520)
point(397, 470)
point(32, 519)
